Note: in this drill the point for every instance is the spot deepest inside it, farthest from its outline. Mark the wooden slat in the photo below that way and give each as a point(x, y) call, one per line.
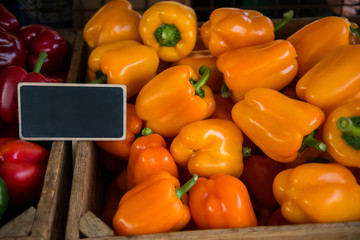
point(52, 210)
point(91, 226)
point(19, 226)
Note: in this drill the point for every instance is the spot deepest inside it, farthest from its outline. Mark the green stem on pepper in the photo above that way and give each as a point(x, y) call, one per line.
point(100, 77)
point(246, 151)
point(40, 61)
point(167, 35)
point(225, 91)
point(205, 73)
point(144, 132)
point(287, 16)
point(350, 128)
point(356, 31)
point(186, 187)
point(345, 124)
point(310, 141)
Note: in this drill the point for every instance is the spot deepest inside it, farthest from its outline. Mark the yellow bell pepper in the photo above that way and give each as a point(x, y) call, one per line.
point(124, 62)
point(341, 133)
point(170, 28)
point(334, 80)
point(112, 22)
point(174, 98)
point(316, 39)
point(280, 126)
point(269, 65)
point(231, 28)
point(210, 146)
point(318, 192)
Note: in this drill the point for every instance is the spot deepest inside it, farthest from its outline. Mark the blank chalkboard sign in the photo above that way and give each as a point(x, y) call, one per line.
point(70, 111)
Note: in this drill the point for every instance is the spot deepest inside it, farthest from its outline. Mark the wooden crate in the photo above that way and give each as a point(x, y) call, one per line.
point(48, 219)
point(87, 193)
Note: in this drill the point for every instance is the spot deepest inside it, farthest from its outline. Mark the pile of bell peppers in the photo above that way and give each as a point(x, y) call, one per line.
point(228, 126)
point(31, 53)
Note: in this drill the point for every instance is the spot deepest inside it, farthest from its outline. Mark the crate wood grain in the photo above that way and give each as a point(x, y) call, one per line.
point(87, 195)
point(48, 219)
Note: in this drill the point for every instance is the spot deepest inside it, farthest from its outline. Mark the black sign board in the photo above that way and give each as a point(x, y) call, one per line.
point(67, 111)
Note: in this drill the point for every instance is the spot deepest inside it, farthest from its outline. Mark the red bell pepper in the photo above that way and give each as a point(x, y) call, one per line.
point(8, 21)
point(9, 79)
point(22, 166)
point(12, 50)
point(39, 38)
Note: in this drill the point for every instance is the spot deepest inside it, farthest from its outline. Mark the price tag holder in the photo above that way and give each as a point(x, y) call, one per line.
point(71, 111)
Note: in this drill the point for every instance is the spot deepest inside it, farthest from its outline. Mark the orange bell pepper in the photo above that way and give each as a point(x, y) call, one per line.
point(318, 192)
point(149, 155)
point(124, 62)
point(156, 205)
point(223, 107)
point(341, 133)
point(334, 80)
point(196, 59)
point(259, 173)
point(170, 28)
point(232, 28)
point(210, 146)
point(222, 201)
point(174, 98)
point(114, 21)
point(270, 65)
point(316, 39)
point(121, 149)
point(280, 126)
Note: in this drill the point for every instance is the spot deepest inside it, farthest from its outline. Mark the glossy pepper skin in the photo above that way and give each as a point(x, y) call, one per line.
point(8, 21)
point(121, 149)
point(156, 205)
point(196, 59)
point(170, 100)
point(41, 38)
point(124, 62)
point(276, 123)
point(316, 39)
point(318, 192)
point(333, 81)
point(170, 28)
point(9, 79)
point(221, 201)
point(22, 166)
point(114, 21)
point(12, 50)
point(232, 28)
point(4, 197)
point(149, 155)
point(342, 135)
point(209, 146)
point(259, 173)
point(270, 65)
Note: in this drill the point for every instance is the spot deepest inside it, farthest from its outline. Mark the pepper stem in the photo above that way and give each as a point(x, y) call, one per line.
point(167, 35)
point(310, 141)
point(40, 61)
point(246, 151)
point(346, 125)
point(287, 16)
point(225, 91)
point(100, 77)
point(356, 31)
point(144, 132)
point(186, 187)
point(205, 72)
